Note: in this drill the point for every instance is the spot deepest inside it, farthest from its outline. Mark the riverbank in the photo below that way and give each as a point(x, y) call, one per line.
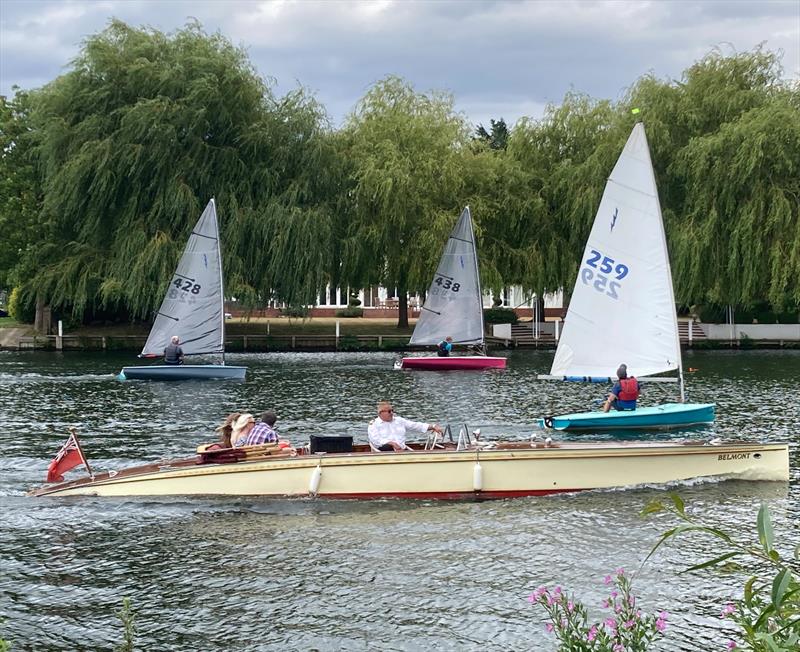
point(261, 334)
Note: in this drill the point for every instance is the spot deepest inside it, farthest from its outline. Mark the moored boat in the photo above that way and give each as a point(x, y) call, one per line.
point(491, 470)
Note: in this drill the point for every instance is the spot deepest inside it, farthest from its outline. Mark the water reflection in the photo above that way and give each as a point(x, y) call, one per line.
point(257, 574)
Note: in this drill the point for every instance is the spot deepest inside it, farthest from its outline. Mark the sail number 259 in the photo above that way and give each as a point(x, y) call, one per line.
point(597, 271)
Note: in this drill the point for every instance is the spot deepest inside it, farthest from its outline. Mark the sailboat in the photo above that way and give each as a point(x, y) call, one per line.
point(623, 306)
point(454, 306)
point(193, 310)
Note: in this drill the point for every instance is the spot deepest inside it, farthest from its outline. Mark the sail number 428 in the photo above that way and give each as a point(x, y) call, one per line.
point(186, 285)
point(598, 272)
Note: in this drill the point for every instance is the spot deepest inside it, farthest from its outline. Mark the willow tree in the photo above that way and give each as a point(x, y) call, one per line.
point(20, 189)
point(725, 142)
point(406, 173)
point(136, 138)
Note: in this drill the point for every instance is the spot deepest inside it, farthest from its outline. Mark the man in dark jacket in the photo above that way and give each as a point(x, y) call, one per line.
point(173, 354)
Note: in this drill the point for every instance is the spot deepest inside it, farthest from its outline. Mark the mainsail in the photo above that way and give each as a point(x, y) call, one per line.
point(193, 306)
point(623, 308)
point(454, 305)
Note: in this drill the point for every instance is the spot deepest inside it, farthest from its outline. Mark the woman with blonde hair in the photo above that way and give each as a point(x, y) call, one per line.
point(241, 428)
point(226, 429)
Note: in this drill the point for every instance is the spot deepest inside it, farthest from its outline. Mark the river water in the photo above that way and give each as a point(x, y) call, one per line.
point(303, 574)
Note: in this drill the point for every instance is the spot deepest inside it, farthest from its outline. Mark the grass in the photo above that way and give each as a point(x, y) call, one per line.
point(8, 322)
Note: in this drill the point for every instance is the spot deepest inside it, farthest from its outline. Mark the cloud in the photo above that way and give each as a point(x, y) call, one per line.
point(504, 58)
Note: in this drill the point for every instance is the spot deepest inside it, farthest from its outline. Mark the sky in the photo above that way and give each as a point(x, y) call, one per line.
point(500, 59)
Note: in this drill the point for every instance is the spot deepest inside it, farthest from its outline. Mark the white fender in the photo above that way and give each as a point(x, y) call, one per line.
point(313, 483)
point(477, 477)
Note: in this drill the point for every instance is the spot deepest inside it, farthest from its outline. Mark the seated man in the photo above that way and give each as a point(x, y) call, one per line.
point(444, 347)
point(173, 354)
point(262, 433)
point(388, 432)
point(624, 392)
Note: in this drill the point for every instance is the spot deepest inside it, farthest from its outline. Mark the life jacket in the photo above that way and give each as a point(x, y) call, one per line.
point(629, 389)
point(444, 347)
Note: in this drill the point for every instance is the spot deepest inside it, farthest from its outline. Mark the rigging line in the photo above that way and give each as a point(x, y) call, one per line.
point(452, 237)
point(429, 310)
point(203, 235)
point(188, 278)
point(161, 314)
point(450, 278)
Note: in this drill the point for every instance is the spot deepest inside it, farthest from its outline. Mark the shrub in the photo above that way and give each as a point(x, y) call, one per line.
point(768, 614)
point(350, 311)
point(627, 628)
point(295, 311)
point(20, 308)
point(500, 316)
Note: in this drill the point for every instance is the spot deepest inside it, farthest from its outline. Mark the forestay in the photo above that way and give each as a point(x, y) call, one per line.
point(193, 306)
point(622, 308)
point(454, 306)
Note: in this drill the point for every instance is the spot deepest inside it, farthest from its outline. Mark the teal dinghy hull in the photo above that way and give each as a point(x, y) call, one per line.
point(668, 415)
point(183, 372)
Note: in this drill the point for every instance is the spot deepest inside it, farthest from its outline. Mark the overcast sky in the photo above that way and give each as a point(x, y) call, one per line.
point(499, 59)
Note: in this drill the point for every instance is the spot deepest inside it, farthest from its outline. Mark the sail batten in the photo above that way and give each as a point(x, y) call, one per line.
point(622, 308)
point(454, 306)
point(192, 307)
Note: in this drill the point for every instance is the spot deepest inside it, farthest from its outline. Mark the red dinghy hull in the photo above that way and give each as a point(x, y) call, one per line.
point(436, 363)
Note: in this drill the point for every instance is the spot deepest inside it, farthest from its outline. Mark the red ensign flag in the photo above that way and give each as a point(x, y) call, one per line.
point(68, 458)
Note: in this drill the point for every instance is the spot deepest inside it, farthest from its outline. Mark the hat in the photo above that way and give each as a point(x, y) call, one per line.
point(622, 371)
point(242, 421)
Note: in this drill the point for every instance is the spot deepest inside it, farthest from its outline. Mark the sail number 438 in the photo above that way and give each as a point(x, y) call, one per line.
point(447, 283)
point(599, 270)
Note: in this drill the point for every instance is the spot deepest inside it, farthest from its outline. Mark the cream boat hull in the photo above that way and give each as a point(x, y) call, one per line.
point(511, 469)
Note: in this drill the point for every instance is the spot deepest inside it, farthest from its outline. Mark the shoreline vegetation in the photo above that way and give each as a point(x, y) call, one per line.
point(259, 334)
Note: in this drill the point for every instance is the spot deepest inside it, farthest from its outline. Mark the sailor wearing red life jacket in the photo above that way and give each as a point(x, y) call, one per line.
point(624, 392)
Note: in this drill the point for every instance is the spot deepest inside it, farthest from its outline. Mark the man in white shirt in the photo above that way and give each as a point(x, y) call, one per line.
point(388, 432)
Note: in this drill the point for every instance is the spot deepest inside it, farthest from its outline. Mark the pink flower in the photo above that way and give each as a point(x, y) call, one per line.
point(620, 572)
point(618, 648)
point(533, 598)
point(607, 579)
point(557, 590)
point(592, 633)
point(538, 593)
point(570, 606)
point(549, 628)
point(732, 645)
point(628, 624)
point(631, 601)
point(661, 624)
point(727, 610)
point(662, 615)
point(605, 604)
point(610, 623)
point(614, 594)
point(551, 600)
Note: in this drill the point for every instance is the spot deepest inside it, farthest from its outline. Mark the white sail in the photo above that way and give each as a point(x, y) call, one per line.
point(454, 305)
point(193, 306)
point(623, 308)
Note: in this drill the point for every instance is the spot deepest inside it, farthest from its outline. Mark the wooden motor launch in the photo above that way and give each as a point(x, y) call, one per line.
point(466, 469)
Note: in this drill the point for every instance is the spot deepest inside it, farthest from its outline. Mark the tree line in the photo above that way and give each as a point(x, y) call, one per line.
point(104, 170)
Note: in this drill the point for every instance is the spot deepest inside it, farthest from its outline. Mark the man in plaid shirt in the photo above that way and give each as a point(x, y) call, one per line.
point(262, 433)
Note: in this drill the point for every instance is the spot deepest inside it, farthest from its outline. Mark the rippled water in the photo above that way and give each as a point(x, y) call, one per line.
point(265, 574)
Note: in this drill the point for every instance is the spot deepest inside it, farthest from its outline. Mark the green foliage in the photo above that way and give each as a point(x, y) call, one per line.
point(406, 174)
point(628, 628)
point(350, 311)
point(768, 614)
point(500, 316)
point(19, 309)
point(300, 312)
point(128, 616)
point(349, 343)
point(496, 137)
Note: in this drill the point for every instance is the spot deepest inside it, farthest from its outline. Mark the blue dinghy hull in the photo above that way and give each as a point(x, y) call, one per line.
point(668, 415)
point(183, 372)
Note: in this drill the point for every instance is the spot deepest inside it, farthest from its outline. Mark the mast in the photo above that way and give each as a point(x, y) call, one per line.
point(669, 271)
point(221, 282)
point(477, 280)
